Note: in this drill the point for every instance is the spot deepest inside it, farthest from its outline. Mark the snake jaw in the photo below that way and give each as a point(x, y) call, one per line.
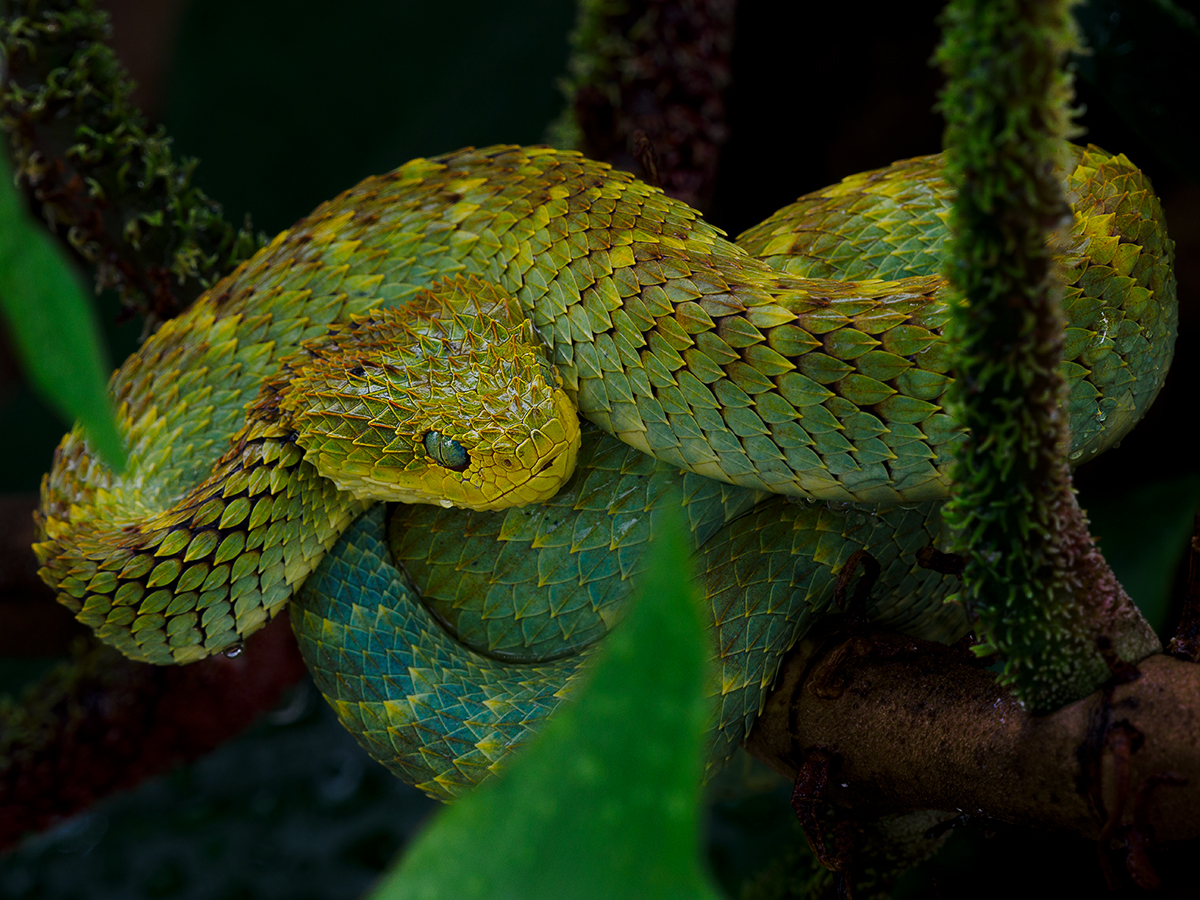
point(541, 465)
point(502, 473)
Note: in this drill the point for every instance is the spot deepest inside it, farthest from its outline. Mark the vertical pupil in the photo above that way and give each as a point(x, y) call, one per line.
point(446, 451)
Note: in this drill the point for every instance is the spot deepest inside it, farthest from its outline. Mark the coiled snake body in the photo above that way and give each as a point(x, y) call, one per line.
point(422, 338)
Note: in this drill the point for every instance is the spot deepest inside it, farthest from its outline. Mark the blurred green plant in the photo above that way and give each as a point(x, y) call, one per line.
point(106, 183)
point(53, 325)
point(606, 801)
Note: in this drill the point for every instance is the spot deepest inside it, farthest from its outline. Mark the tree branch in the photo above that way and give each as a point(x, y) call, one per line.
point(930, 729)
point(104, 183)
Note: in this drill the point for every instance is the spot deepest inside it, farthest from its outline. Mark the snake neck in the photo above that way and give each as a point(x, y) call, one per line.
point(193, 579)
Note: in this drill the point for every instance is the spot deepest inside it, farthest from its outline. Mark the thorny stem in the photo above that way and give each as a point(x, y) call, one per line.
point(655, 68)
point(111, 190)
point(1041, 589)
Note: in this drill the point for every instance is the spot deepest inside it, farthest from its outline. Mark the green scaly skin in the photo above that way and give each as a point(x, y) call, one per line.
point(676, 341)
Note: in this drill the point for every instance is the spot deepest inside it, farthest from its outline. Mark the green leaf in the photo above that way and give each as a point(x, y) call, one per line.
point(605, 803)
point(1144, 535)
point(52, 325)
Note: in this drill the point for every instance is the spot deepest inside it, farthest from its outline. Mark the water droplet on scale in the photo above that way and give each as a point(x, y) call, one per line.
point(233, 651)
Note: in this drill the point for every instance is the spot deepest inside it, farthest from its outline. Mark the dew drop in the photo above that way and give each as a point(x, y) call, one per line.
point(234, 650)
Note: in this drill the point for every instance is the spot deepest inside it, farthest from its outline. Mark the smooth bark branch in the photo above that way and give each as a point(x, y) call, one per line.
point(929, 730)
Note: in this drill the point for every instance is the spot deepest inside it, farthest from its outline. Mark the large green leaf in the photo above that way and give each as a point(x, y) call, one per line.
point(605, 804)
point(52, 324)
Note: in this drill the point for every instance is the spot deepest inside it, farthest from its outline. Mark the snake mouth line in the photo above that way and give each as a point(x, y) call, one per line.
point(542, 468)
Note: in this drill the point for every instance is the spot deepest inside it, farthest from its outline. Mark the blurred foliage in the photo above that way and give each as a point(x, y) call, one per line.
point(108, 185)
point(605, 801)
point(52, 324)
point(315, 102)
point(292, 809)
point(1143, 58)
point(1144, 534)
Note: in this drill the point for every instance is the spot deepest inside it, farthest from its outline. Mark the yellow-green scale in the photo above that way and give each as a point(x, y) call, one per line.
point(1117, 267)
point(179, 585)
point(675, 339)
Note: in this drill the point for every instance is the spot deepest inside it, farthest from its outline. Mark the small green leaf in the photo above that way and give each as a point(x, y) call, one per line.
point(52, 325)
point(605, 803)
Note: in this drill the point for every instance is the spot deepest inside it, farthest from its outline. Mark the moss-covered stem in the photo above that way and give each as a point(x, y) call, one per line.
point(103, 181)
point(1044, 595)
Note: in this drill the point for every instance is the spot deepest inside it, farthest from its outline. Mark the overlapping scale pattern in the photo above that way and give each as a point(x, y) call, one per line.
point(462, 364)
point(417, 701)
point(752, 367)
point(1117, 259)
point(192, 580)
point(537, 582)
point(441, 684)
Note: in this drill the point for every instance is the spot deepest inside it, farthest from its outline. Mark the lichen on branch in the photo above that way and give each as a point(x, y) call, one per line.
point(103, 181)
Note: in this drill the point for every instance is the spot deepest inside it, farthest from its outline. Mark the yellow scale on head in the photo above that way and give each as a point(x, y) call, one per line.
point(449, 399)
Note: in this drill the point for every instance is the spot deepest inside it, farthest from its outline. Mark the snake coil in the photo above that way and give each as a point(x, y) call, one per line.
point(785, 389)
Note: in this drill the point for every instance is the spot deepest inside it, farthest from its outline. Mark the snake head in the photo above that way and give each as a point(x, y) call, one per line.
point(449, 399)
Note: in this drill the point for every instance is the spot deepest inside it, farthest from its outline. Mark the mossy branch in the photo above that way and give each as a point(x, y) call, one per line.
point(1044, 596)
point(111, 190)
point(103, 181)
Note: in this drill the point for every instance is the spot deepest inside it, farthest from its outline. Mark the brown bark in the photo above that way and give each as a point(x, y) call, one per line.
point(928, 729)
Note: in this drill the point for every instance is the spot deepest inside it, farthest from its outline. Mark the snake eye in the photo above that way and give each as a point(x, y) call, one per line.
point(446, 451)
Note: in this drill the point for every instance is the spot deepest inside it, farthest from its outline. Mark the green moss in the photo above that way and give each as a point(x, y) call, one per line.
point(103, 181)
point(1008, 116)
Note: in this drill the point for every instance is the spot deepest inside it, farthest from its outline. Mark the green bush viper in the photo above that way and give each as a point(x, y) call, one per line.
point(425, 337)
